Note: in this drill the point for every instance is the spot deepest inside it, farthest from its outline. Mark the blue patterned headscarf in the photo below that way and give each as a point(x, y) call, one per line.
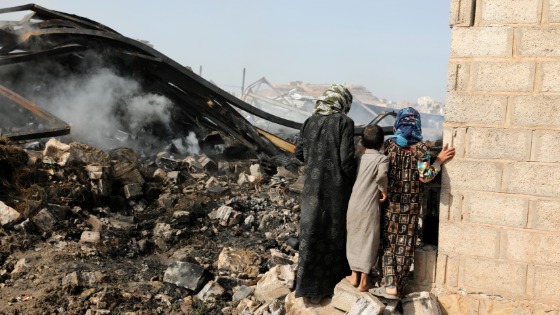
point(407, 128)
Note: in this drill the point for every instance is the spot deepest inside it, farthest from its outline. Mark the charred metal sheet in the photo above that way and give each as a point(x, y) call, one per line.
point(52, 126)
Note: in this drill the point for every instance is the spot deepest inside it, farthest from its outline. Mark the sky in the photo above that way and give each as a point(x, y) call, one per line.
point(398, 50)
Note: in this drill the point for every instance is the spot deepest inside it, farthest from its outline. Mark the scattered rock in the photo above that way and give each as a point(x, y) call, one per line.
point(239, 262)
point(185, 274)
point(9, 216)
point(90, 237)
point(210, 291)
point(276, 283)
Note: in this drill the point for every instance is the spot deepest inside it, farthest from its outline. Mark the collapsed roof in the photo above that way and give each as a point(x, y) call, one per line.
point(48, 47)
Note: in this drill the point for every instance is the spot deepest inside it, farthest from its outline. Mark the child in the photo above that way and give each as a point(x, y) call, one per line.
point(409, 167)
point(363, 216)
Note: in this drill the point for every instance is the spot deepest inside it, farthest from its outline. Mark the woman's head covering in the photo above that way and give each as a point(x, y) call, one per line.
point(407, 128)
point(336, 99)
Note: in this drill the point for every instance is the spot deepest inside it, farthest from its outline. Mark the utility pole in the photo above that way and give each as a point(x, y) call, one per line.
point(243, 83)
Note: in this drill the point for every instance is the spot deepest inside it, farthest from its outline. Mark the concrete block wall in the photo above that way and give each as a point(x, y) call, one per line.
point(500, 206)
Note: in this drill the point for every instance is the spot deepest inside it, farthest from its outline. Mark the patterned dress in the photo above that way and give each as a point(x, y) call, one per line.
point(326, 145)
point(409, 166)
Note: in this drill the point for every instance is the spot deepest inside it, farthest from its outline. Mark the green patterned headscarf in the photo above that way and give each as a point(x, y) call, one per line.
point(336, 99)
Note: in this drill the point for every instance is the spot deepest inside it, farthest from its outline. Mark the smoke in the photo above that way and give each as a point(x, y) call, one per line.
point(188, 145)
point(103, 108)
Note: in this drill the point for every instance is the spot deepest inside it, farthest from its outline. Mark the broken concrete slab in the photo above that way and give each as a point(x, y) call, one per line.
point(184, 274)
point(367, 305)
point(9, 216)
point(210, 291)
point(421, 303)
point(301, 306)
point(345, 295)
point(276, 283)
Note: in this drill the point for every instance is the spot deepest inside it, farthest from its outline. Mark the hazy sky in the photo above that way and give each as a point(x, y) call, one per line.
point(397, 49)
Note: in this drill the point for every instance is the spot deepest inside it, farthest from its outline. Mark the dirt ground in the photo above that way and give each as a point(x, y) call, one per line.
point(45, 267)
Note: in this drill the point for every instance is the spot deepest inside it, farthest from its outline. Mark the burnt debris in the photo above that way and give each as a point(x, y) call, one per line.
point(46, 48)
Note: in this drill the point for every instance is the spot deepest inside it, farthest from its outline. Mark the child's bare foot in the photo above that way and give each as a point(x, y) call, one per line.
point(352, 281)
point(353, 278)
point(364, 283)
point(364, 287)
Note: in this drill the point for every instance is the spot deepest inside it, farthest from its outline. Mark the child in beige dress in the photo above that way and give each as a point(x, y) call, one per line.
point(363, 216)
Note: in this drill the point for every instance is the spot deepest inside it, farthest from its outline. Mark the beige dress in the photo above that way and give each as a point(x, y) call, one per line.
point(363, 216)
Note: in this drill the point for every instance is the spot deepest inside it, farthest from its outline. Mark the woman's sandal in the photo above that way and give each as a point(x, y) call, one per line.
point(382, 292)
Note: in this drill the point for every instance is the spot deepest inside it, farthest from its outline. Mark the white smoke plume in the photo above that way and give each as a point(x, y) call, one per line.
point(188, 145)
point(100, 105)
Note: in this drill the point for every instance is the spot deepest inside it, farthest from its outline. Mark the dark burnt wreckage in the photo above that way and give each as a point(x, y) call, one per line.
point(68, 40)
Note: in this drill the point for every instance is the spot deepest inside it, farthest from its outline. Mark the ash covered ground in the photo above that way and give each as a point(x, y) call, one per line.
point(87, 231)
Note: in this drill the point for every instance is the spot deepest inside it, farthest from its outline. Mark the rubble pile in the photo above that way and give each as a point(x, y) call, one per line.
point(85, 231)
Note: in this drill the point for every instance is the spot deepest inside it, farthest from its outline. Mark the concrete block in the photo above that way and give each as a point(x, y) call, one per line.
point(458, 76)
point(441, 266)
point(345, 296)
point(495, 209)
point(367, 304)
point(56, 152)
point(552, 11)
point(455, 137)
point(458, 304)
point(425, 266)
point(461, 13)
point(542, 150)
point(537, 179)
point(546, 283)
point(497, 307)
point(530, 247)
point(452, 271)
point(492, 276)
point(475, 108)
point(468, 239)
point(535, 111)
point(475, 175)
point(132, 191)
point(482, 41)
point(492, 143)
point(421, 303)
point(538, 41)
point(508, 12)
point(550, 76)
point(450, 206)
point(502, 76)
point(544, 215)
point(90, 237)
